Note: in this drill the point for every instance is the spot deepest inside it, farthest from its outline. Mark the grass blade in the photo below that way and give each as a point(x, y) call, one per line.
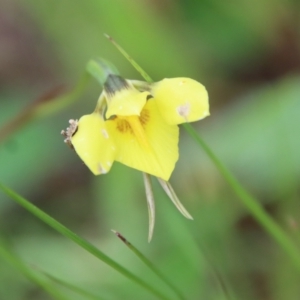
point(71, 287)
point(130, 59)
point(11, 258)
point(253, 205)
point(79, 240)
point(150, 265)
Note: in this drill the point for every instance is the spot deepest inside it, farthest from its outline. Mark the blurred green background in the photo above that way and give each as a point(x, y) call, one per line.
point(247, 54)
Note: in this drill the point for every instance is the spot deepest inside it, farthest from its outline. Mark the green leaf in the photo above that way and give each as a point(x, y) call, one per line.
point(79, 240)
point(253, 205)
point(150, 265)
point(8, 255)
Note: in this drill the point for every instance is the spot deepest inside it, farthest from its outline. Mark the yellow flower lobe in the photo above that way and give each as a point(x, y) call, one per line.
point(94, 144)
point(181, 100)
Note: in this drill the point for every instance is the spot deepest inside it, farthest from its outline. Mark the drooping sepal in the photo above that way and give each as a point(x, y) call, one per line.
point(172, 195)
point(150, 204)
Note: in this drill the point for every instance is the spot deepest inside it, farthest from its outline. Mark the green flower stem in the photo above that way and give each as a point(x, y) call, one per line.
point(149, 264)
point(7, 255)
point(72, 287)
point(254, 207)
point(130, 59)
point(78, 240)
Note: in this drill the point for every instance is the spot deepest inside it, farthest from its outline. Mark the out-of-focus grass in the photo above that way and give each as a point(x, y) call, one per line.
point(246, 55)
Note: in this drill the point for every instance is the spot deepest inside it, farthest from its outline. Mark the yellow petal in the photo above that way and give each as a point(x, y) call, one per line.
point(151, 147)
point(94, 144)
point(126, 102)
point(181, 100)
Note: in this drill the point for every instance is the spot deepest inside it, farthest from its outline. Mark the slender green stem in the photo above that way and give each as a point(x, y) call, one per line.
point(7, 254)
point(150, 265)
point(130, 59)
point(72, 287)
point(253, 205)
point(78, 240)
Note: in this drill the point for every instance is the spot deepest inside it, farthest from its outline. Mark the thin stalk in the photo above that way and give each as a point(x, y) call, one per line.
point(72, 287)
point(7, 255)
point(150, 265)
point(130, 59)
point(79, 240)
point(253, 205)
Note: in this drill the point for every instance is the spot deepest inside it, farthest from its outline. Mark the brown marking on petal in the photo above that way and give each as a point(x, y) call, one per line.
point(135, 125)
point(123, 126)
point(144, 117)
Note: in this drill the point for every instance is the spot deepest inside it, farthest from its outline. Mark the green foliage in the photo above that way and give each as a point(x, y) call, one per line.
point(247, 55)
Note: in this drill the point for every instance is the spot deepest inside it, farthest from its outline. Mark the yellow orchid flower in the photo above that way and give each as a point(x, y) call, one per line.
point(136, 123)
